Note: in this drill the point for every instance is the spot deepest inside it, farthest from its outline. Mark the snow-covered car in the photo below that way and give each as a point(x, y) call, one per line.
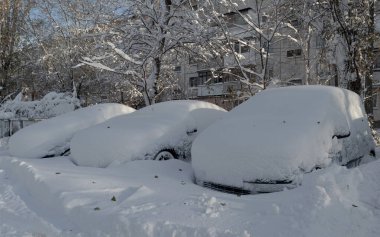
point(267, 143)
point(160, 131)
point(51, 137)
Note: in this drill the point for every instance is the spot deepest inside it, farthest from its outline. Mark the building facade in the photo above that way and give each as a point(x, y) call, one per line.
point(286, 64)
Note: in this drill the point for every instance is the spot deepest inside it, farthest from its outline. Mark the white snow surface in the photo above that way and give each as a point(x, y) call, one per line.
point(52, 136)
point(281, 133)
point(53, 197)
point(142, 134)
point(146, 198)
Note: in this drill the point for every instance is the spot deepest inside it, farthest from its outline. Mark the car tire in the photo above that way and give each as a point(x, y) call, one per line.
point(165, 155)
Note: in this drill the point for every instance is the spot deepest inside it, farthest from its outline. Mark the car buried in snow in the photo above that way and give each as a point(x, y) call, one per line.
point(268, 142)
point(51, 137)
point(161, 131)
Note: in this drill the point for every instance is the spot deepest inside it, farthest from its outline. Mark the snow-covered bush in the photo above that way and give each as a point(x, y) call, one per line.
point(51, 105)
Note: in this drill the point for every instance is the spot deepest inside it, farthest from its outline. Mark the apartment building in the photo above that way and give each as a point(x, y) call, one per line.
point(286, 64)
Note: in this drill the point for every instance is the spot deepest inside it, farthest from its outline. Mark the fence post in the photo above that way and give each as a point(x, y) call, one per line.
point(10, 127)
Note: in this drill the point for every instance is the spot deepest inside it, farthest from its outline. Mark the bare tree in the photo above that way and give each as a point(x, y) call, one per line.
point(142, 44)
point(352, 30)
point(12, 19)
point(256, 25)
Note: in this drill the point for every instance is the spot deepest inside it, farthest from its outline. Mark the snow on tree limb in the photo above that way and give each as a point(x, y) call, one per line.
point(96, 65)
point(124, 55)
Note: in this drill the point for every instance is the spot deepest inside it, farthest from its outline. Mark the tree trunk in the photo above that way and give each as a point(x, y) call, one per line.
point(368, 95)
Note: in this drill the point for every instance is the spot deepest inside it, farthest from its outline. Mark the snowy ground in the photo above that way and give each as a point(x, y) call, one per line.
point(52, 197)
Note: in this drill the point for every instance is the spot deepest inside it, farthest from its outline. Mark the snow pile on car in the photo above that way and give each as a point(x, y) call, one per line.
point(280, 134)
point(144, 133)
point(51, 105)
point(52, 136)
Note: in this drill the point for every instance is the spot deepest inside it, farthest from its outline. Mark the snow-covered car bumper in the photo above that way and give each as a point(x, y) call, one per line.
point(251, 187)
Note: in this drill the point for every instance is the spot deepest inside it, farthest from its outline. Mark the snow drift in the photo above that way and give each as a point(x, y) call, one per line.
point(147, 198)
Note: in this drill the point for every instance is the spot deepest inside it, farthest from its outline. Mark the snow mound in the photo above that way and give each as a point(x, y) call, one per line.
point(149, 198)
point(169, 125)
point(281, 133)
point(51, 105)
point(52, 136)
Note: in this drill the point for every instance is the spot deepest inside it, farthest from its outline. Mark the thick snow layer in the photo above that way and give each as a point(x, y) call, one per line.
point(52, 136)
point(141, 135)
point(280, 134)
point(53, 197)
point(51, 105)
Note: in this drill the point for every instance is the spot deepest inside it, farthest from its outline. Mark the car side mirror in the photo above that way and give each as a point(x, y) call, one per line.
point(191, 132)
point(341, 136)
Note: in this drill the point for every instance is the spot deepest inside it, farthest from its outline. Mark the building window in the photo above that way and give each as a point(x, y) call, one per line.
point(177, 69)
point(294, 53)
point(235, 18)
point(193, 81)
point(243, 46)
point(297, 52)
point(237, 47)
point(374, 100)
point(218, 80)
point(377, 62)
point(203, 77)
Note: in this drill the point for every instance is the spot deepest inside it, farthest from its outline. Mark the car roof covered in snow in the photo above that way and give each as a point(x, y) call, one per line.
point(278, 134)
point(149, 129)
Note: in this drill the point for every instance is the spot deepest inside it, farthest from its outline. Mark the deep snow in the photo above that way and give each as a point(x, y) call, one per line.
point(53, 197)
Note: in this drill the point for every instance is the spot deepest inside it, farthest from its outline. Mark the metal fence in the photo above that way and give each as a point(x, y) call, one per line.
point(9, 126)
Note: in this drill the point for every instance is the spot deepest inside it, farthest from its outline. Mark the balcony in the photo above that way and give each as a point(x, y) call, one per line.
point(247, 58)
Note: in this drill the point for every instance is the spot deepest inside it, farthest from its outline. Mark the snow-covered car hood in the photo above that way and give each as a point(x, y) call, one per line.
point(265, 149)
point(280, 134)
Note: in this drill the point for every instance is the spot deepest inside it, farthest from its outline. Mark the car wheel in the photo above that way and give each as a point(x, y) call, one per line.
point(354, 163)
point(164, 155)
